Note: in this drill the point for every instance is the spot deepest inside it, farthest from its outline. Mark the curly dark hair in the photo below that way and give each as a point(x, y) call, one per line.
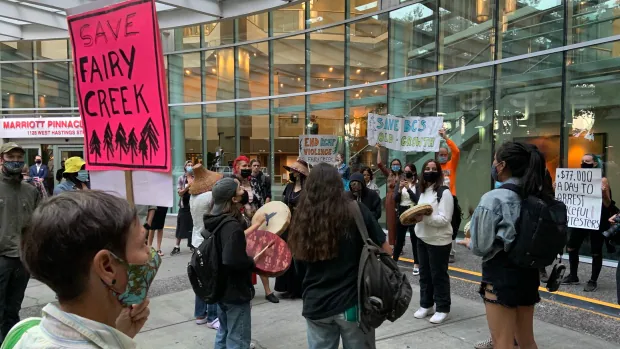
point(424, 184)
point(321, 217)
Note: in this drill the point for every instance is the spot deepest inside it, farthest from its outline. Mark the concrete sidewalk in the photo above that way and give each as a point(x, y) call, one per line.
point(274, 326)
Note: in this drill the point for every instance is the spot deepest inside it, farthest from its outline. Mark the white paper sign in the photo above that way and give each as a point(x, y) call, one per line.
point(411, 133)
point(63, 127)
point(580, 190)
point(149, 188)
point(315, 149)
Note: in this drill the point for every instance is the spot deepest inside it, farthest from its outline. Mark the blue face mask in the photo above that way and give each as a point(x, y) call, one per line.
point(189, 169)
point(498, 184)
point(82, 176)
point(395, 168)
point(442, 159)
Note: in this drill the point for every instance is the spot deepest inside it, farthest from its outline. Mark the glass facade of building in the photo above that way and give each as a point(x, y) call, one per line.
point(540, 71)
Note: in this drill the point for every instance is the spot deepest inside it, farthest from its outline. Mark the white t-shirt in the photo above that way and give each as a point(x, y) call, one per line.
point(405, 199)
point(436, 229)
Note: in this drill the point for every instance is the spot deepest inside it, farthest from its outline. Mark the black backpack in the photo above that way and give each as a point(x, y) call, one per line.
point(204, 267)
point(457, 214)
point(542, 230)
point(384, 292)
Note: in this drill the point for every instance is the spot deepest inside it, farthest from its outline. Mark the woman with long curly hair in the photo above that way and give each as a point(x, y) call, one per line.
point(325, 240)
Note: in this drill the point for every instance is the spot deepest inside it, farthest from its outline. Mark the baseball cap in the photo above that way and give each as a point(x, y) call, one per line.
point(74, 164)
point(7, 147)
point(223, 191)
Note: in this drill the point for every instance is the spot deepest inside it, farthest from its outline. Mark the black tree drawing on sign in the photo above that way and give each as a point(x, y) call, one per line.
point(94, 147)
point(132, 144)
point(149, 141)
point(121, 141)
point(108, 143)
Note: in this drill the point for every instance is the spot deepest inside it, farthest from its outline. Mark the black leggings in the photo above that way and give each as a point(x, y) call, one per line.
point(401, 234)
point(597, 240)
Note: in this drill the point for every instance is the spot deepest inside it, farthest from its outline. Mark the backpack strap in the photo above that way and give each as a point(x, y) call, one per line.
point(440, 191)
point(512, 187)
point(359, 221)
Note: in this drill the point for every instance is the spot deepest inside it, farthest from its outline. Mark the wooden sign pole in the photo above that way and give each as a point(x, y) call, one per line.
point(129, 186)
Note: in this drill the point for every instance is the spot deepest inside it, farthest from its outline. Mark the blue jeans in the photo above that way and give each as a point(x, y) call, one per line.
point(201, 309)
point(326, 334)
point(235, 326)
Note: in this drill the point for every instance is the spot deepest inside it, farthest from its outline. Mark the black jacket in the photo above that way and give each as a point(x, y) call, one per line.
point(369, 198)
point(236, 264)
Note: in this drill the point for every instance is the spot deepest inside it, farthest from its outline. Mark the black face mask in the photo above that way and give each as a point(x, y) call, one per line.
point(246, 173)
point(409, 175)
point(37, 161)
point(431, 177)
point(245, 198)
point(586, 165)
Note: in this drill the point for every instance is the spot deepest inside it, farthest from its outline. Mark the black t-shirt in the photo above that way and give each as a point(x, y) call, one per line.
point(330, 287)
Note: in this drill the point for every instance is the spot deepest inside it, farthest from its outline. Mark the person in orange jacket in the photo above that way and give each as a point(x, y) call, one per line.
point(449, 165)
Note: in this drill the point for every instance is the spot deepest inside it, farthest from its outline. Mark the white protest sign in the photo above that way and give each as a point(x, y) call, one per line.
point(315, 149)
point(580, 190)
point(411, 133)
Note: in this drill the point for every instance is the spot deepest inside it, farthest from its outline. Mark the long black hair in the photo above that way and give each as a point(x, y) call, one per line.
point(526, 162)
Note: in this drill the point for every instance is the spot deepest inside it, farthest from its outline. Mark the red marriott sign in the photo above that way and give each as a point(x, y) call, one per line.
point(62, 127)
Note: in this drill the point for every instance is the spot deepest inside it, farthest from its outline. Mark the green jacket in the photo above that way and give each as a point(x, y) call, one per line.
point(17, 202)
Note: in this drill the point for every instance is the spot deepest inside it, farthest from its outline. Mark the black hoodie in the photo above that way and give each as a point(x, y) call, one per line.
point(237, 266)
point(369, 198)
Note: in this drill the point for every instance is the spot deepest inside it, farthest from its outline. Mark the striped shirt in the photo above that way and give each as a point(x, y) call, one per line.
point(61, 330)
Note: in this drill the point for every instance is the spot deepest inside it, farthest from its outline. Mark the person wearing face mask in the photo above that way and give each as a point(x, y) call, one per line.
point(360, 193)
point(106, 271)
point(19, 199)
point(450, 164)
point(597, 240)
point(394, 175)
point(406, 197)
point(434, 232)
point(225, 217)
point(76, 176)
point(289, 284)
point(184, 216)
point(38, 171)
point(36, 184)
point(242, 171)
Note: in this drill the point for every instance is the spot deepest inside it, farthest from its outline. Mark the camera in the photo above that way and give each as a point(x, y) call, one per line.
point(615, 228)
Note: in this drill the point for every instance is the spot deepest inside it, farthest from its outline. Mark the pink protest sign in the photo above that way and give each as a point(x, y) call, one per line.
point(121, 87)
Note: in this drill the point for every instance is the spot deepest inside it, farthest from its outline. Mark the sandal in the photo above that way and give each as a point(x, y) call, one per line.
point(160, 253)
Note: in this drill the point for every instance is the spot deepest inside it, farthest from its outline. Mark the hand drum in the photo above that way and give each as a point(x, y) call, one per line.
point(275, 256)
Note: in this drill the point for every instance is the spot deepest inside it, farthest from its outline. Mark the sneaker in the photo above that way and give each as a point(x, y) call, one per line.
point(201, 320)
point(423, 312)
point(416, 271)
point(452, 259)
point(591, 286)
point(439, 318)
point(485, 344)
point(175, 251)
point(543, 276)
point(272, 298)
point(214, 325)
point(570, 280)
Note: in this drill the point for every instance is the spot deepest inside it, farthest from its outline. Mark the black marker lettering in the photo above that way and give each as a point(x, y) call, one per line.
point(105, 67)
point(89, 95)
point(102, 104)
point(118, 27)
point(100, 32)
point(113, 57)
point(83, 61)
point(138, 96)
point(130, 61)
point(112, 90)
point(88, 40)
point(129, 24)
point(124, 100)
point(95, 70)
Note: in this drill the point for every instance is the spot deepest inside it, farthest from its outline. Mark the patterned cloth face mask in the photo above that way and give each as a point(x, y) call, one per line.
point(139, 279)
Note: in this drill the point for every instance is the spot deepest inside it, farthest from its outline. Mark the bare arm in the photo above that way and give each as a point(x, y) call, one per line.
point(380, 164)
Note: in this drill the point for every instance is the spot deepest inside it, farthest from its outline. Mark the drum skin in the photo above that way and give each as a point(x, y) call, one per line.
point(278, 217)
point(407, 217)
point(276, 258)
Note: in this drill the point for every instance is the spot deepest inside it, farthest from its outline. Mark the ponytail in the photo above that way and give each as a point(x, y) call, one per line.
point(535, 172)
point(526, 162)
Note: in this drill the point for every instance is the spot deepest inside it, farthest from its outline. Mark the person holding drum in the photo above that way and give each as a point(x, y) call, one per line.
point(394, 175)
point(325, 240)
point(290, 283)
point(243, 172)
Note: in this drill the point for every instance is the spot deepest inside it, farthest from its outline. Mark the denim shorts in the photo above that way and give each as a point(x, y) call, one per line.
point(512, 286)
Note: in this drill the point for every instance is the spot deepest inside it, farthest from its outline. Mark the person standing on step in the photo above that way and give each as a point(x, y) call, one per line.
point(185, 223)
point(449, 160)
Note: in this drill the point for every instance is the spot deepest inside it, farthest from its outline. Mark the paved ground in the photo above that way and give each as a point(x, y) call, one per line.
point(281, 325)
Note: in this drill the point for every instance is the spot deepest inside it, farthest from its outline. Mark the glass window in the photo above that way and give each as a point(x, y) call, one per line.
point(466, 33)
point(289, 115)
point(327, 60)
point(324, 13)
point(289, 59)
point(254, 129)
point(253, 27)
point(219, 33)
point(362, 7)
point(17, 85)
point(528, 26)
point(288, 19)
point(368, 50)
point(51, 49)
point(220, 74)
point(220, 131)
point(327, 111)
point(412, 40)
point(191, 37)
point(53, 84)
point(184, 80)
point(371, 100)
point(528, 100)
point(253, 70)
point(16, 50)
point(193, 140)
point(593, 19)
point(413, 98)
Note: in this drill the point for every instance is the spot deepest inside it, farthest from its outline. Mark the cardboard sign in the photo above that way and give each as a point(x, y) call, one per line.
point(121, 87)
point(144, 183)
point(52, 127)
point(315, 149)
point(411, 133)
point(580, 190)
